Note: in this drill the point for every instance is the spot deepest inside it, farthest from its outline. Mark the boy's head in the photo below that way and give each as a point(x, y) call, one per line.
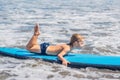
point(77, 41)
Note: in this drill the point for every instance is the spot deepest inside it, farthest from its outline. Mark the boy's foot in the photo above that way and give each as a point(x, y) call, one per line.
point(36, 30)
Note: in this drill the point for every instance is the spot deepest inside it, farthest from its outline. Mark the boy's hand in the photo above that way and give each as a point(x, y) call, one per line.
point(65, 63)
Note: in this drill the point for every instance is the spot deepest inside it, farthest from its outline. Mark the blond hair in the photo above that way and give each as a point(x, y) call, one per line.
point(76, 37)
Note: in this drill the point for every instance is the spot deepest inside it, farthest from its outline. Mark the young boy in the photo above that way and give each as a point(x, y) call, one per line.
point(60, 50)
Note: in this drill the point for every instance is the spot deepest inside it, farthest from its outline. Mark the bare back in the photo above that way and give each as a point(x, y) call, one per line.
point(56, 49)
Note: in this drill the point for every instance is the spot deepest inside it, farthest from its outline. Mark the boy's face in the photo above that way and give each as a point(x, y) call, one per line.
point(79, 44)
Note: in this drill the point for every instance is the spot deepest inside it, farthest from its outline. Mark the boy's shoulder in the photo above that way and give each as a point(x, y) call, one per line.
point(63, 44)
point(66, 47)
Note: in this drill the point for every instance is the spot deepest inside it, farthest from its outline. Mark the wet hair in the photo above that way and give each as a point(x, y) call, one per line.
point(75, 37)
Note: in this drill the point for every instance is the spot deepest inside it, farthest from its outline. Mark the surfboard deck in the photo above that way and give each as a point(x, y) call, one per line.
point(76, 59)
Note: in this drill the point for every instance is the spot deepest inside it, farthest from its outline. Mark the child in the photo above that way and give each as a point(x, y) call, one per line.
point(60, 50)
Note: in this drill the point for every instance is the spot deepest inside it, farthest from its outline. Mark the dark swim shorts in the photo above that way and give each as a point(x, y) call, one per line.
point(44, 47)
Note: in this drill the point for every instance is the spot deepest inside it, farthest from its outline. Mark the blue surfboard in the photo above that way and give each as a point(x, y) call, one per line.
point(76, 59)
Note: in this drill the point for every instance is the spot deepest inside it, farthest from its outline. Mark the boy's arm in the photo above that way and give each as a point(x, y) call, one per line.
point(61, 54)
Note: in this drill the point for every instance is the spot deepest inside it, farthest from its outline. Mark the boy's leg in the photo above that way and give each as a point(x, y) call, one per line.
point(33, 45)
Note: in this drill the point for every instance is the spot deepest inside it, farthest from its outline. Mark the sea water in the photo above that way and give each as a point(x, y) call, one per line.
point(97, 20)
